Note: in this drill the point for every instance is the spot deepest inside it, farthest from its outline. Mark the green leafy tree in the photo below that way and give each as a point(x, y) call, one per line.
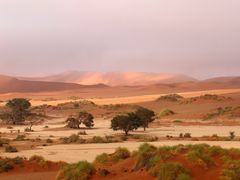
point(19, 110)
point(146, 116)
point(126, 123)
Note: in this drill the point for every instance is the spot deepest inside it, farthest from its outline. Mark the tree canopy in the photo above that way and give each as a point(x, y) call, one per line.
point(126, 123)
point(146, 116)
point(18, 110)
point(82, 118)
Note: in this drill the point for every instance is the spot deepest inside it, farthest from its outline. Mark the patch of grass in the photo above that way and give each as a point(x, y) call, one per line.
point(20, 138)
point(10, 149)
point(177, 121)
point(166, 112)
point(170, 97)
point(78, 171)
point(74, 138)
point(37, 158)
point(4, 142)
point(173, 171)
point(82, 133)
point(49, 141)
point(8, 163)
point(200, 154)
point(146, 156)
point(102, 158)
point(97, 139)
point(231, 170)
point(120, 154)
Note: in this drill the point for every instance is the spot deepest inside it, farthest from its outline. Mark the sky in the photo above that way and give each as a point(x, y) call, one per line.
point(200, 38)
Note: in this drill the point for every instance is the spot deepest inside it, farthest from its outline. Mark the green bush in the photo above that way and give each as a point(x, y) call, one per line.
point(172, 171)
point(10, 149)
point(146, 156)
point(78, 171)
point(102, 158)
point(201, 154)
point(231, 170)
point(120, 154)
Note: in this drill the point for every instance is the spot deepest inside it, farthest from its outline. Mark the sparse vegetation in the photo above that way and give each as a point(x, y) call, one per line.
point(120, 154)
point(166, 112)
point(10, 149)
point(173, 171)
point(79, 171)
point(170, 97)
point(102, 158)
point(8, 163)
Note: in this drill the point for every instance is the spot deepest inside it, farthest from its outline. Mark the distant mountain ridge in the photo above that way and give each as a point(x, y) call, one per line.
point(116, 78)
point(94, 80)
point(10, 84)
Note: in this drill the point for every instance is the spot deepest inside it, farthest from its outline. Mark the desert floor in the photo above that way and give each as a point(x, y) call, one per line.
point(76, 152)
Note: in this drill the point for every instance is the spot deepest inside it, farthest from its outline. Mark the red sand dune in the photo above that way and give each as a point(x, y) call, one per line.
point(116, 78)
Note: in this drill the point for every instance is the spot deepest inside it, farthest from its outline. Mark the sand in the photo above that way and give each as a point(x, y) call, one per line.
point(78, 152)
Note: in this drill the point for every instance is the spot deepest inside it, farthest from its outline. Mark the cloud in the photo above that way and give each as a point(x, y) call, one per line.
point(199, 38)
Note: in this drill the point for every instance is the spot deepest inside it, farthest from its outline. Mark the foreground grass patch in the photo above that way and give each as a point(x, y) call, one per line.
point(79, 171)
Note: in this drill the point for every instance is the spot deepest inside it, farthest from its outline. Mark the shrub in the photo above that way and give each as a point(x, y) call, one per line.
point(8, 163)
point(231, 170)
point(3, 142)
point(74, 138)
point(5, 165)
point(78, 171)
point(102, 158)
point(200, 154)
point(166, 112)
point(49, 141)
point(172, 171)
point(124, 138)
point(232, 135)
point(187, 135)
point(170, 97)
point(37, 158)
point(20, 138)
point(10, 149)
point(146, 156)
point(97, 139)
point(121, 153)
point(82, 133)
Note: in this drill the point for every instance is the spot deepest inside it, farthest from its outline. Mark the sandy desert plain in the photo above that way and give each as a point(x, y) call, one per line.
point(205, 114)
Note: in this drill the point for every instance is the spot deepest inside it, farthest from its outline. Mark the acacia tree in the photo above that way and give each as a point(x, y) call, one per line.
point(146, 116)
point(73, 123)
point(82, 118)
point(126, 123)
point(18, 110)
point(86, 118)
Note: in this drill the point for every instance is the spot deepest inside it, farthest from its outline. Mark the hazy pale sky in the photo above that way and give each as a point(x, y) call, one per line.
point(195, 37)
